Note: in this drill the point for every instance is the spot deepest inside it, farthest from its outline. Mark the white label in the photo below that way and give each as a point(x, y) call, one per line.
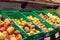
point(47, 38)
point(57, 35)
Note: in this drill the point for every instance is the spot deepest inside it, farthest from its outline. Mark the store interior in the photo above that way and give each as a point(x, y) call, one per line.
point(29, 19)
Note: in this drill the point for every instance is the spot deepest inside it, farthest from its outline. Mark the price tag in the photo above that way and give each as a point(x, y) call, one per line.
point(47, 38)
point(57, 35)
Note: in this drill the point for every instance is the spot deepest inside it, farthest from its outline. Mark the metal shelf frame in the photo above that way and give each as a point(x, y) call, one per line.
point(43, 3)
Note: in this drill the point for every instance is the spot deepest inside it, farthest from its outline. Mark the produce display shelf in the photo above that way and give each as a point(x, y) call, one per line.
point(12, 14)
point(18, 15)
point(4, 17)
point(42, 21)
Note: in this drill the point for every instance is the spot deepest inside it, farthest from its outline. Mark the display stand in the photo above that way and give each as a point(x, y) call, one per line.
point(51, 37)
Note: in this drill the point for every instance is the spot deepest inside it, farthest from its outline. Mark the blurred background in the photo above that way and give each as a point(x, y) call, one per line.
point(28, 5)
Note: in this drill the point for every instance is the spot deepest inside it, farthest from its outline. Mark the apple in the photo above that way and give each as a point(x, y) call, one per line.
point(1, 23)
point(21, 19)
point(7, 20)
point(13, 38)
point(7, 24)
point(51, 19)
point(19, 37)
point(43, 26)
point(16, 32)
point(26, 26)
point(45, 30)
point(37, 22)
point(10, 30)
point(5, 33)
point(2, 29)
point(29, 24)
point(31, 32)
point(27, 29)
point(50, 29)
point(41, 15)
point(0, 17)
point(7, 37)
point(12, 35)
point(32, 27)
point(1, 36)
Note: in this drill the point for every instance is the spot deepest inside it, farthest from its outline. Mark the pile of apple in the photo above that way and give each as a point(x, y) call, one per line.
point(56, 18)
point(39, 24)
point(28, 27)
point(7, 31)
point(53, 20)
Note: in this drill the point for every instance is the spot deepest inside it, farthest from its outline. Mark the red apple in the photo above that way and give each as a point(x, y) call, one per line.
point(43, 27)
point(19, 37)
point(13, 38)
point(7, 37)
point(10, 30)
point(41, 24)
point(7, 20)
point(2, 29)
point(7, 24)
point(45, 17)
point(12, 35)
point(37, 23)
point(32, 27)
point(5, 34)
point(16, 32)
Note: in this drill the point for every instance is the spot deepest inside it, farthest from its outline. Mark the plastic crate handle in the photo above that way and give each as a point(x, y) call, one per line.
point(10, 13)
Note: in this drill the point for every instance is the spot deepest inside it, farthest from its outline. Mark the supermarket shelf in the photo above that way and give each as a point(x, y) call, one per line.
point(44, 3)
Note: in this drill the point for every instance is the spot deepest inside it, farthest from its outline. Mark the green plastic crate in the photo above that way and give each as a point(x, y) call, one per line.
point(14, 25)
point(43, 12)
point(42, 21)
point(54, 14)
point(18, 15)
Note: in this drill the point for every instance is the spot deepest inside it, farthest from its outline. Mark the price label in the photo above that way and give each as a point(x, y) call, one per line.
point(57, 35)
point(47, 38)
